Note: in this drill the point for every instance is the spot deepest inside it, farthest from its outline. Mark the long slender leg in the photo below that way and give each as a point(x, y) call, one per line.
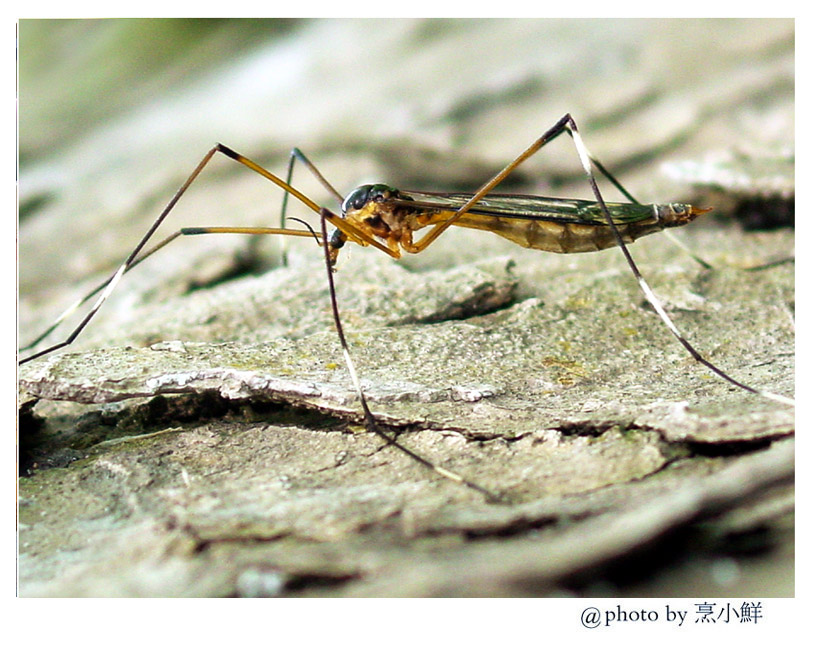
point(583, 154)
point(371, 422)
point(114, 280)
point(184, 231)
point(567, 124)
point(136, 255)
point(74, 306)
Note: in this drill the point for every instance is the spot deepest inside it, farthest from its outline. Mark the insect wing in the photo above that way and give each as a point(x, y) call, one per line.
point(531, 207)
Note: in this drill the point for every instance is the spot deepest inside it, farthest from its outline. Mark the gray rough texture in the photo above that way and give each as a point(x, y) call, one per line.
point(202, 437)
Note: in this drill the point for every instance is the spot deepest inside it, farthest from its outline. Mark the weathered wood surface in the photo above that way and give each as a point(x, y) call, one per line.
point(196, 440)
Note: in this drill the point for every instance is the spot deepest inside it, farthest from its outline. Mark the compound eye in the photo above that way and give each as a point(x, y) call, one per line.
point(356, 199)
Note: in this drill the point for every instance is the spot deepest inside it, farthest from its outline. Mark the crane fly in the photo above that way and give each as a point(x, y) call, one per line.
point(386, 218)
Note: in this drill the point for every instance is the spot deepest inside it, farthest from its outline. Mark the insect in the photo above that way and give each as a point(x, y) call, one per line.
point(386, 218)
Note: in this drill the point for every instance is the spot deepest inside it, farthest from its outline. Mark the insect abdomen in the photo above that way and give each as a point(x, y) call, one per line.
point(567, 237)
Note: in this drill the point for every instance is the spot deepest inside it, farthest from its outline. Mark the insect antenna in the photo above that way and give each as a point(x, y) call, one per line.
point(308, 226)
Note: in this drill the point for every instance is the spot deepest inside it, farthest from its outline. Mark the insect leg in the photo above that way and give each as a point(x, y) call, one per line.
point(583, 155)
point(371, 422)
point(567, 124)
point(184, 231)
point(74, 306)
point(136, 256)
